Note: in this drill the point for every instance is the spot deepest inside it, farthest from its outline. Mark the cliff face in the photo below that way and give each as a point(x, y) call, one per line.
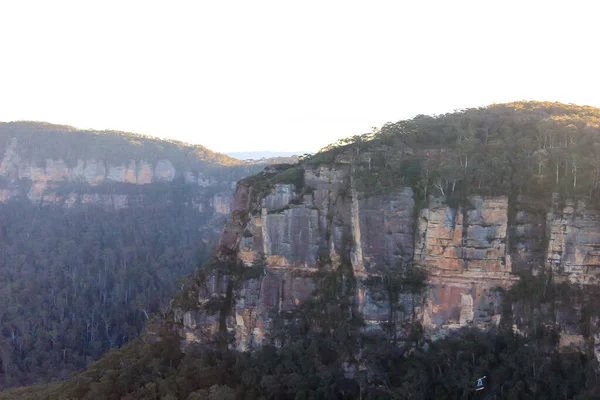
point(293, 232)
point(574, 241)
point(54, 181)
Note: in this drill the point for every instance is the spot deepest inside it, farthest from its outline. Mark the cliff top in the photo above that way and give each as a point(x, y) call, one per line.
point(524, 147)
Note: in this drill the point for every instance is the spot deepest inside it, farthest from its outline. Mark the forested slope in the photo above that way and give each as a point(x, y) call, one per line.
point(523, 147)
point(76, 282)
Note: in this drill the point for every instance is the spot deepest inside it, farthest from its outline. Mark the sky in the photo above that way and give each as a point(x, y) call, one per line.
point(286, 75)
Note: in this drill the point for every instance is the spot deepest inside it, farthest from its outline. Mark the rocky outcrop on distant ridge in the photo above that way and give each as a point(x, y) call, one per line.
point(49, 164)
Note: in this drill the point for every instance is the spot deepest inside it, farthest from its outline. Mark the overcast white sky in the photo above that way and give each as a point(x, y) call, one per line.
point(286, 75)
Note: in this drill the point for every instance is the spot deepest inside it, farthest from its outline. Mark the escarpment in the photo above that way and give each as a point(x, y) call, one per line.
point(414, 239)
point(293, 233)
point(285, 237)
point(50, 164)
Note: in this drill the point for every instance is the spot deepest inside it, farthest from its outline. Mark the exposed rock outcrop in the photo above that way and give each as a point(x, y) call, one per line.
point(574, 241)
point(101, 182)
point(291, 233)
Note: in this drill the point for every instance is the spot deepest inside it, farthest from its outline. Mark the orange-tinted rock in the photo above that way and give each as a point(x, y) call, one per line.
point(574, 241)
point(468, 252)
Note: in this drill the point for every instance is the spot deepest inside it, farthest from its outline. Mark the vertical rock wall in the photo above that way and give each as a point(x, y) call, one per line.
point(44, 181)
point(574, 241)
point(468, 252)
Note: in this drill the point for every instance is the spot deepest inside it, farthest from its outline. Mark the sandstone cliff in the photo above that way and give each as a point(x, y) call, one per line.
point(290, 233)
point(294, 232)
point(50, 164)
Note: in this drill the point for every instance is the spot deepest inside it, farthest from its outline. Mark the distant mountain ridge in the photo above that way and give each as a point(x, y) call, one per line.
point(38, 158)
point(61, 141)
